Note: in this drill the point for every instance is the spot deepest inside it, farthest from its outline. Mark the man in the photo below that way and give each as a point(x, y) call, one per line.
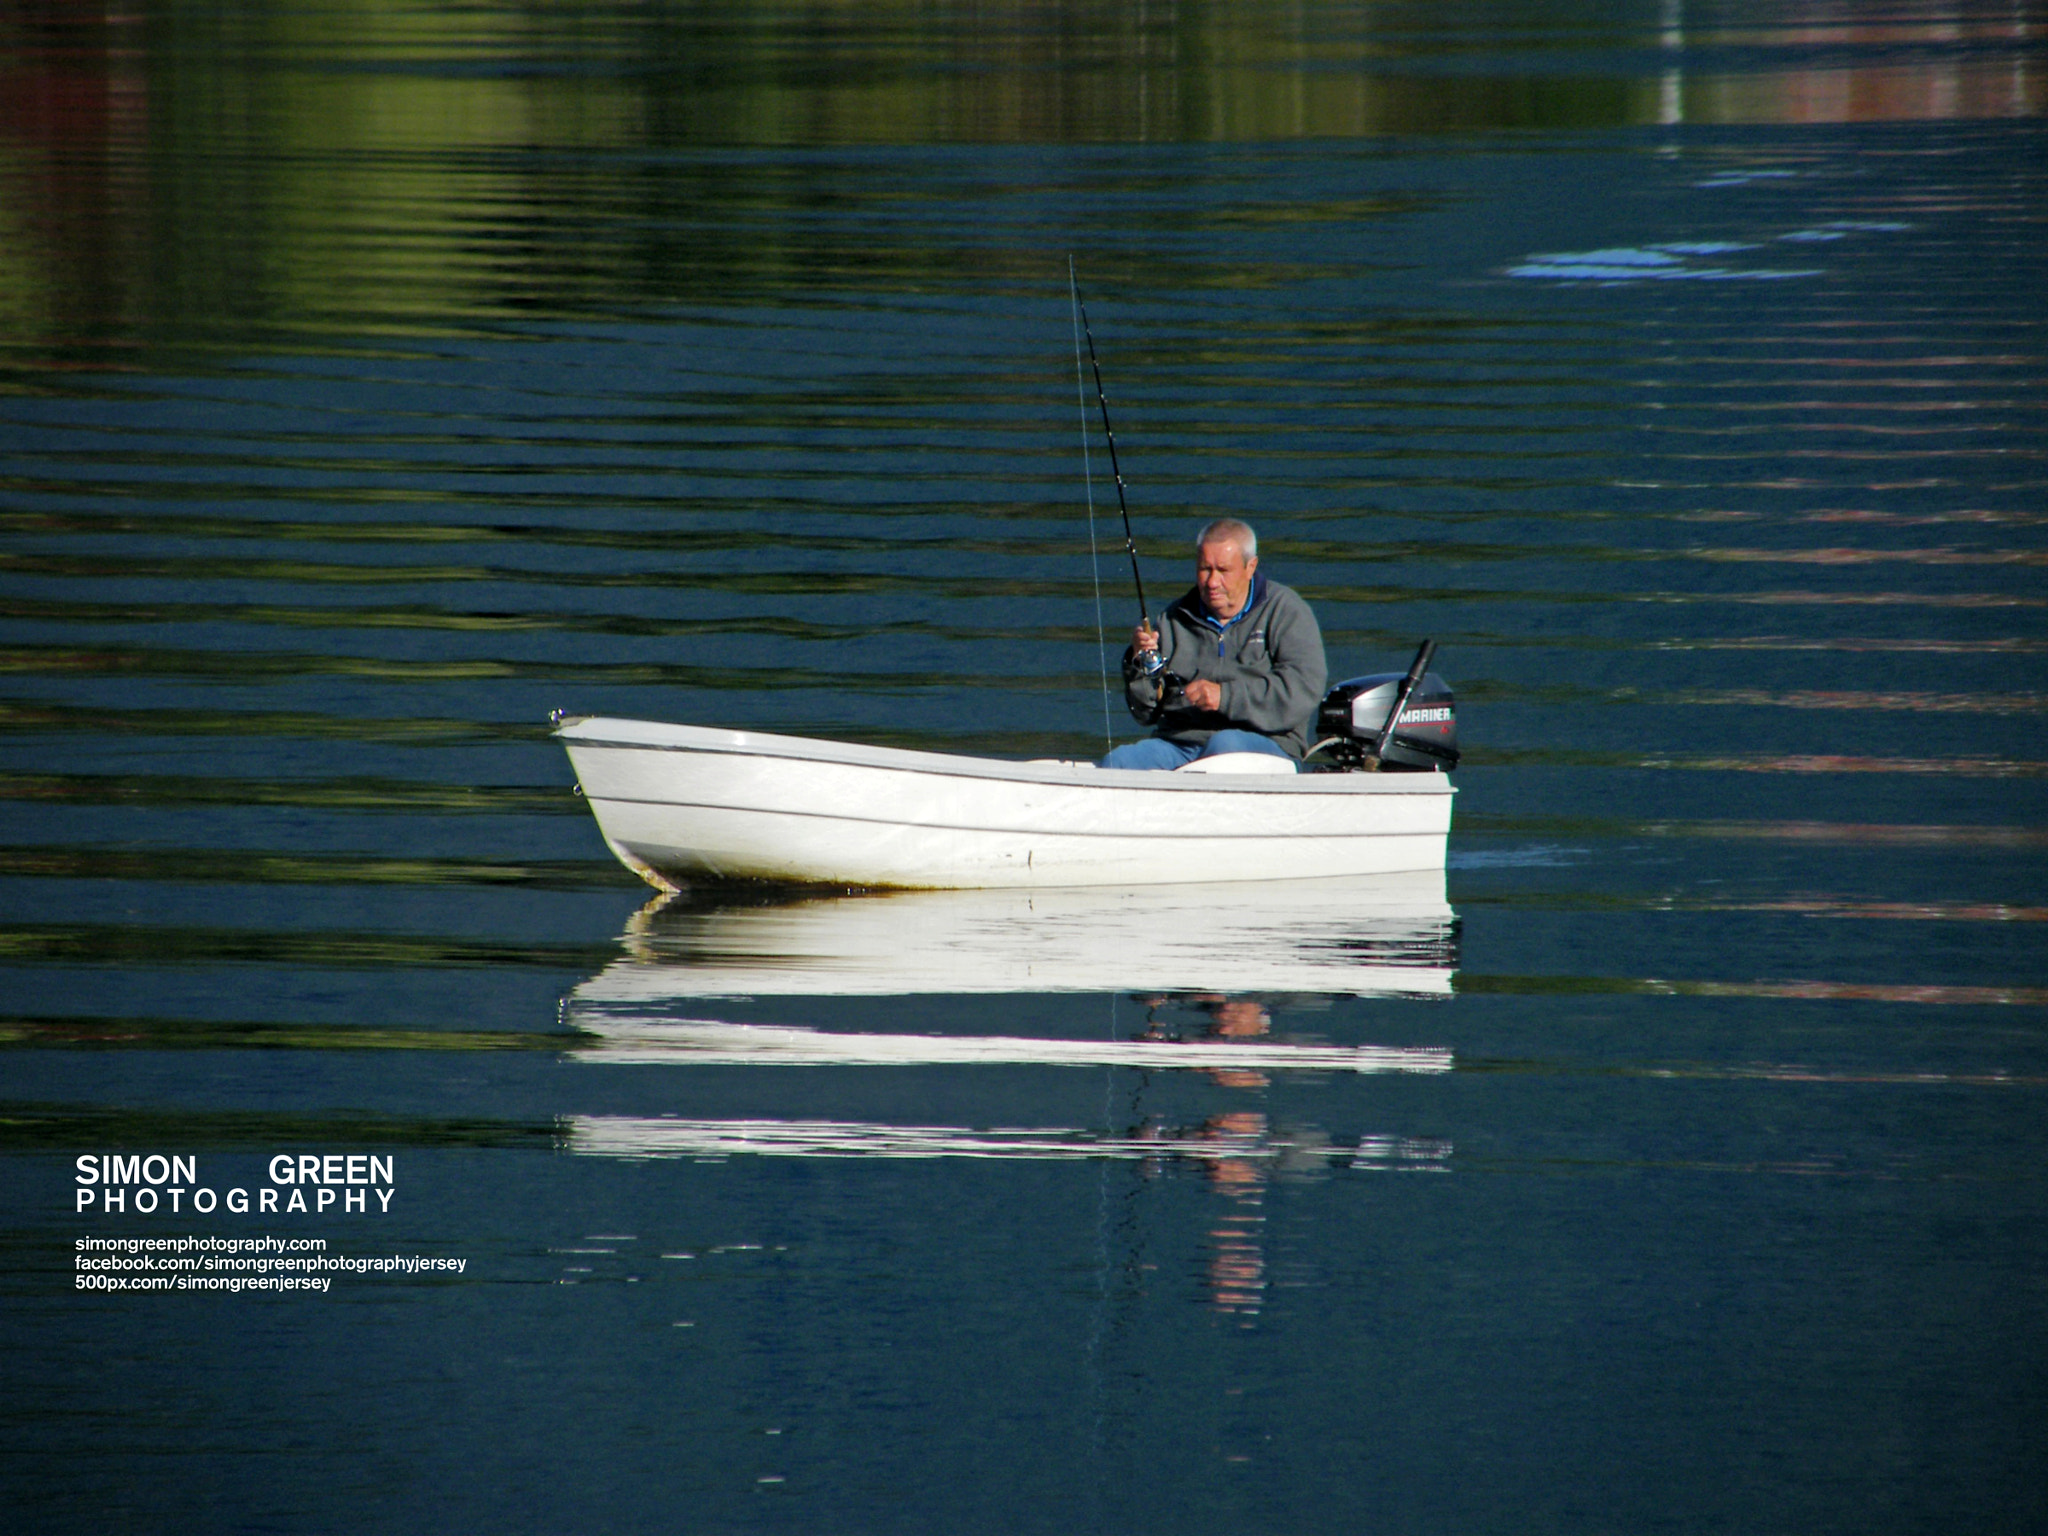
point(1251, 653)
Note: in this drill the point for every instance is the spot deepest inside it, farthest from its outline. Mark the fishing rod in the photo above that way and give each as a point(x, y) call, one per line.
point(1150, 662)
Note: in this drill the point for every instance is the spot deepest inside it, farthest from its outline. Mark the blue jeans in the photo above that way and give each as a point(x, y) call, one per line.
point(1158, 752)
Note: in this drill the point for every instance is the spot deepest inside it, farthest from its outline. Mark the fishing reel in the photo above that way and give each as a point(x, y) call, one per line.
point(1173, 688)
point(1173, 693)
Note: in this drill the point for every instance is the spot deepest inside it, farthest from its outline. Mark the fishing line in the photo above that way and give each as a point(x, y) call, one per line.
point(1088, 478)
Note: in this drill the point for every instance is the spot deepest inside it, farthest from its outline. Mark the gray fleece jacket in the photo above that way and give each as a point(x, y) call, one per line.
point(1268, 659)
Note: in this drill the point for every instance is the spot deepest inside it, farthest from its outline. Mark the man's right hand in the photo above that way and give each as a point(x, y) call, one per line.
point(1144, 640)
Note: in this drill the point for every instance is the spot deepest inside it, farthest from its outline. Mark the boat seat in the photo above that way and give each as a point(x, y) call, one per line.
point(1239, 762)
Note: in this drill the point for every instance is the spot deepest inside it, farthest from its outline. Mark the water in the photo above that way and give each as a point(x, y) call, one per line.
point(374, 380)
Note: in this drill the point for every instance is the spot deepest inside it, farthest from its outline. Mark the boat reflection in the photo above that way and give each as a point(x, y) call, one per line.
point(634, 1040)
point(1211, 965)
point(1237, 1152)
point(1244, 1141)
point(1383, 936)
point(1207, 946)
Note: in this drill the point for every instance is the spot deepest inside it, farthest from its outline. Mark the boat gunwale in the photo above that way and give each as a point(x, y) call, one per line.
point(1056, 773)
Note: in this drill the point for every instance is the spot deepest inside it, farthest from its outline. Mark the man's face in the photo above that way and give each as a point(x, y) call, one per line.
point(1224, 577)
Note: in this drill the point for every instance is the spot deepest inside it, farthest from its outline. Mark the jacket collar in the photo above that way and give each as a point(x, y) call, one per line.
point(1196, 610)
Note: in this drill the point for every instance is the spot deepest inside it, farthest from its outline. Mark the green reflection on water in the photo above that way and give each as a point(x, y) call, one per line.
point(268, 175)
point(107, 944)
point(233, 866)
point(51, 1128)
point(72, 1034)
point(355, 793)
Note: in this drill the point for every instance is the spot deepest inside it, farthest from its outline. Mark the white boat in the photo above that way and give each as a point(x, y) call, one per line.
point(682, 801)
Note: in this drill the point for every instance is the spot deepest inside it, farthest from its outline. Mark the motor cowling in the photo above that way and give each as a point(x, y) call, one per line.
point(1353, 713)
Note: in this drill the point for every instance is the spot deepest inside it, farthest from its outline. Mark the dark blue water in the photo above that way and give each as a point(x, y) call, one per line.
point(374, 380)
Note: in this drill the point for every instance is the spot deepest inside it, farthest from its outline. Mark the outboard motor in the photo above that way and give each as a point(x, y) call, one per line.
point(1354, 713)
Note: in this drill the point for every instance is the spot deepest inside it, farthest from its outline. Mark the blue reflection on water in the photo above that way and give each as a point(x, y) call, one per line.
point(1733, 1100)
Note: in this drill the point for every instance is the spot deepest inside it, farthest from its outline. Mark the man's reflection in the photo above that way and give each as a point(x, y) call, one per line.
point(1229, 1018)
point(1237, 1258)
point(1237, 1263)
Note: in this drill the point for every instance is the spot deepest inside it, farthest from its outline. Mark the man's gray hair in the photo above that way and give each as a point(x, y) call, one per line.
point(1229, 529)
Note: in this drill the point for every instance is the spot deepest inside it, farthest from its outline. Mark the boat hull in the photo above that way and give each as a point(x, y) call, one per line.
point(676, 802)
